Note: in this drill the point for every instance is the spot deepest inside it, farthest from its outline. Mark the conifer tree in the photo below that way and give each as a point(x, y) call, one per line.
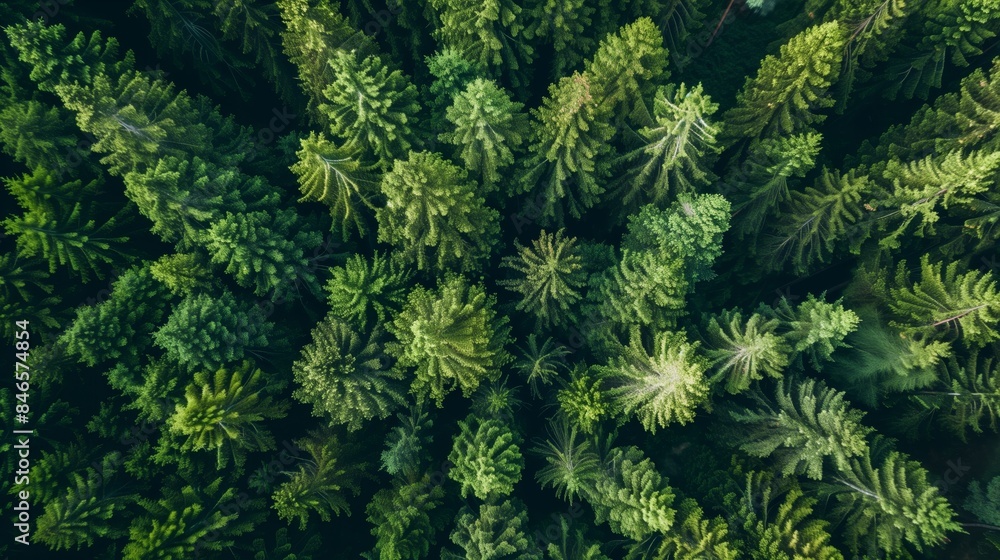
point(889, 502)
point(818, 220)
point(675, 153)
point(550, 279)
point(805, 424)
point(491, 34)
point(572, 465)
point(568, 148)
point(85, 510)
point(782, 98)
point(345, 376)
point(741, 352)
point(814, 328)
point(563, 25)
point(660, 387)
point(966, 396)
point(406, 445)
point(486, 129)
point(496, 531)
point(370, 108)
point(583, 400)
point(452, 72)
point(264, 252)
point(189, 520)
point(632, 497)
point(626, 67)
point(540, 364)
point(183, 273)
point(693, 538)
point(336, 177)
point(573, 546)
point(224, 411)
point(363, 291)
point(405, 520)
point(944, 298)
point(434, 215)
point(320, 483)
point(452, 336)
point(313, 33)
point(205, 331)
point(486, 457)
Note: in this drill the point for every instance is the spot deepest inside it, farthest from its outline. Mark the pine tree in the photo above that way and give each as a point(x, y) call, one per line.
point(264, 252)
point(564, 26)
point(369, 107)
point(891, 503)
point(817, 220)
point(85, 510)
point(336, 177)
point(404, 520)
point(782, 98)
point(434, 215)
point(949, 30)
point(550, 279)
point(189, 521)
point(496, 531)
point(540, 363)
point(583, 400)
point(573, 546)
point(486, 129)
point(206, 331)
point(984, 504)
point(345, 376)
point(572, 465)
point(322, 479)
point(224, 411)
point(119, 328)
point(967, 302)
point(743, 352)
point(966, 397)
point(363, 292)
point(71, 238)
point(568, 148)
point(660, 387)
point(489, 33)
point(814, 328)
point(486, 459)
point(692, 538)
point(312, 35)
point(183, 273)
point(632, 497)
point(806, 423)
point(452, 336)
point(675, 153)
point(406, 445)
point(769, 165)
point(626, 67)
point(452, 72)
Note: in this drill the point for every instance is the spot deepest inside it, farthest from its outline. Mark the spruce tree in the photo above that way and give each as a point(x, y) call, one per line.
point(550, 278)
point(486, 459)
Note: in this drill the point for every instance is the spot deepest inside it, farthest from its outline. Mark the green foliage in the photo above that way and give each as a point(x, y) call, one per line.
point(550, 278)
point(583, 401)
point(966, 395)
point(336, 177)
point(363, 291)
point(434, 215)
point(814, 328)
point(369, 107)
point(189, 520)
point(893, 502)
point(743, 352)
point(660, 387)
point(632, 497)
point(626, 66)
point(945, 299)
point(224, 412)
point(804, 425)
point(782, 98)
point(496, 531)
point(693, 538)
point(489, 33)
point(675, 153)
point(404, 520)
point(486, 459)
point(182, 273)
point(563, 24)
point(540, 364)
point(406, 445)
point(486, 129)
point(452, 336)
point(569, 142)
point(206, 331)
point(284, 548)
point(345, 376)
point(326, 473)
point(572, 465)
point(984, 504)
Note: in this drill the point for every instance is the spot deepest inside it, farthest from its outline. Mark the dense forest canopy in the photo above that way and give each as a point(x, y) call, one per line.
point(498, 279)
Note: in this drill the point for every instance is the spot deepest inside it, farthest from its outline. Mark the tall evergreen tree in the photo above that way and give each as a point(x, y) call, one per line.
point(550, 279)
point(486, 457)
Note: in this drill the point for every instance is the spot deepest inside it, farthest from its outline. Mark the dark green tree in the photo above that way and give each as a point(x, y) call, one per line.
point(550, 278)
point(365, 291)
point(496, 531)
point(486, 459)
